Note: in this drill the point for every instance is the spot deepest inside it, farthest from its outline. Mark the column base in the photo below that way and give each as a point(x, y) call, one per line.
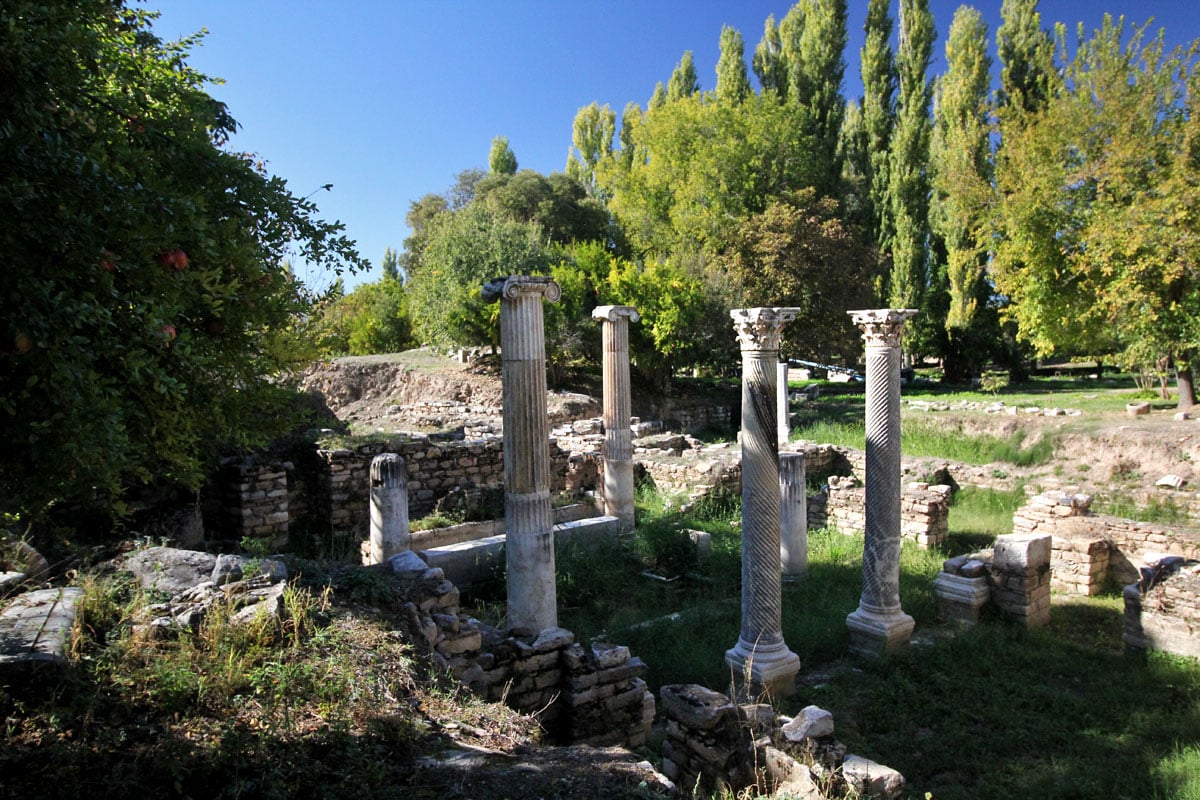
point(757, 673)
point(875, 635)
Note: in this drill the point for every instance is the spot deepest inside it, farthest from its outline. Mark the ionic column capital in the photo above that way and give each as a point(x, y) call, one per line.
point(514, 286)
point(615, 313)
point(761, 328)
point(882, 327)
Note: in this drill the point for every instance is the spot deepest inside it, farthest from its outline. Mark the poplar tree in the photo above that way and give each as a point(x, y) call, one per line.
point(908, 181)
point(1026, 53)
point(816, 79)
point(878, 117)
point(960, 167)
point(390, 264)
point(684, 82)
point(733, 86)
point(768, 59)
point(501, 159)
point(592, 139)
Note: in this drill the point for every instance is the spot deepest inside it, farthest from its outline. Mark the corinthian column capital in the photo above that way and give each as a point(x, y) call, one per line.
point(761, 328)
point(882, 327)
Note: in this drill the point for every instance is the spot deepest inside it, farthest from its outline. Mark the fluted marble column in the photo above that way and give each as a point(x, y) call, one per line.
point(528, 519)
point(389, 507)
point(879, 625)
point(793, 520)
point(618, 439)
point(761, 657)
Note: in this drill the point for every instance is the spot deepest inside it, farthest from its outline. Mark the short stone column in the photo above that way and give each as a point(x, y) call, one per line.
point(389, 507)
point(761, 657)
point(618, 438)
point(781, 404)
point(879, 625)
point(528, 518)
point(793, 525)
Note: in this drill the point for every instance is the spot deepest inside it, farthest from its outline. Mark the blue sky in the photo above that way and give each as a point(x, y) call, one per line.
point(388, 99)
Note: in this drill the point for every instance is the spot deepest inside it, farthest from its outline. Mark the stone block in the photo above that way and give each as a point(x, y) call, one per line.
point(872, 779)
point(694, 706)
point(1021, 553)
point(811, 723)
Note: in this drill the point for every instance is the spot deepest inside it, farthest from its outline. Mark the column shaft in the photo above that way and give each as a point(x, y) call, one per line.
point(879, 625)
point(793, 521)
point(529, 521)
point(389, 507)
point(618, 438)
point(761, 656)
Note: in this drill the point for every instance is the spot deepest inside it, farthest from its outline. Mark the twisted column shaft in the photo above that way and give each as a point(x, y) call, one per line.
point(879, 624)
point(761, 651)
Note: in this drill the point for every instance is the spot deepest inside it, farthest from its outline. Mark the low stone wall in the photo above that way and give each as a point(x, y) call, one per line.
point(252, 500)
point(924, 510)
point(1092, 549)
point(715, 746)
point(592, 694)
point(1014, 576)
point(1165, 616)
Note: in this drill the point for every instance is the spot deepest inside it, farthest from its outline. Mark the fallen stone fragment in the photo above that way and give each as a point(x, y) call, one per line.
point(35, 629)
point(1171, 480)
point(872, 779)
point(811, 723)
point(170, 569)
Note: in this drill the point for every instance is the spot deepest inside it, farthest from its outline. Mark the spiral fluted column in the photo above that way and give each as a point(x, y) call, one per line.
point(618, 438)
point(761, 657)
point(879, 625)
point(528, 519)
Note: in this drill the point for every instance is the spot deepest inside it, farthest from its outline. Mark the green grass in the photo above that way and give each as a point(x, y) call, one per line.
point(978, 516)
point(927, 439)
point(1160, 511)
point(1062, 710)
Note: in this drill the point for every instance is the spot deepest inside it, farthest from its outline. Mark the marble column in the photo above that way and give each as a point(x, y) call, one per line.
point(389, 507)
point(528, 519)
point(781, 404)
point(618, 438)
point(879, 626)
point(761, 658)
point(793, 520)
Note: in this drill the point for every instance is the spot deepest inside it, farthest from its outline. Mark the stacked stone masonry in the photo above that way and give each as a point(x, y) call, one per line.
point(1090, 550)
point(1165, 616)
point(590, 694)
point(255, 500)
point(714, 746)
point(1014, 576)
point(924, 510)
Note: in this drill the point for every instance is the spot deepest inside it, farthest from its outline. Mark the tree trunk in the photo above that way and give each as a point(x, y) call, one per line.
point(1183, 380)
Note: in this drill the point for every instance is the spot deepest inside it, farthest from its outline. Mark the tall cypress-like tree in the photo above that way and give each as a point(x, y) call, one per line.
point(592, 140)
point(1026, 54)
point(908, 182)
point(768, 59)
point(960, 166)
point(816, 78)
point(733, 86)
point(390, 264)
point(879, 117)
point(684, 82)
point(501, 159)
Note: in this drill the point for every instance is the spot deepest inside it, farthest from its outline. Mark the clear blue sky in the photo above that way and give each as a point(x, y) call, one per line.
point(388, 99)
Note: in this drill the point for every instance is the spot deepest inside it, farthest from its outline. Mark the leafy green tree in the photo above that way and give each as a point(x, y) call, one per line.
point(464, 250)
point(733, 86)
point(558, 204)
point(371, 319)
point(768, 62)
point(658, 99)
point(390, 264)
point(592, 140)
point(816, 74)
point(798, 252)
point(961, 174)
point(908, 187)
point(879, 117)
point(501, 159)
point(1026, 53)
point(146, 317)
point(684, 82)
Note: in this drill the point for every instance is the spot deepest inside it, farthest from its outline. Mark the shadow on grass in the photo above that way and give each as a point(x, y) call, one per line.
point(1001, 712)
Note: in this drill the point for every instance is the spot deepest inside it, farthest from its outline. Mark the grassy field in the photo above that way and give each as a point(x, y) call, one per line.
point(996, 712)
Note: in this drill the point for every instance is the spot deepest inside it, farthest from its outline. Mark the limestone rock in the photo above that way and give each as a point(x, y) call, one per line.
point(26, 559)
point(695, 706)
point(1173, 481)
point(170, 569)
point(230, 568)
point(792, 779)
point(811, 723)
point(408, 564)
point(871, 779)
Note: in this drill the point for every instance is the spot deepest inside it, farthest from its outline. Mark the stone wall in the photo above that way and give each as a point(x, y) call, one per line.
point(252, 499)
point(924, 510)
point(1092, 549)
point(592, 694)
point(1013, 576)
point(1166, 615)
